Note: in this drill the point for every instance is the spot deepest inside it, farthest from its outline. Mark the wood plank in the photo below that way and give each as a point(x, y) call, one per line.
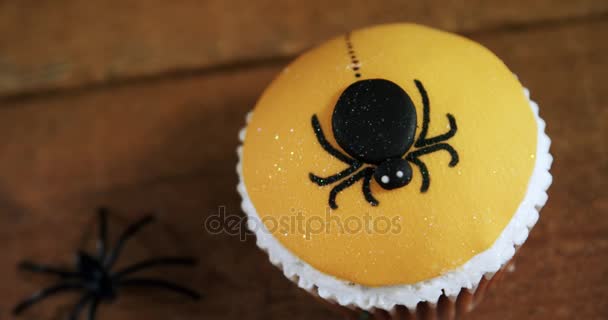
point(169, 145)
point(58, 44)
point(99, 139)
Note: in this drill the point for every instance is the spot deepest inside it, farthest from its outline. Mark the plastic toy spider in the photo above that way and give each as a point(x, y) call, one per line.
point(93, 275)
point(374, 122)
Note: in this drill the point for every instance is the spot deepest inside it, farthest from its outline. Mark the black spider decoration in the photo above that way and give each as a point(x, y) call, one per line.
point(374, 122)
point(93, 274)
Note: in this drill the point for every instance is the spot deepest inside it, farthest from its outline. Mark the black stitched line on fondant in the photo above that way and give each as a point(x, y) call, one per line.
point(353, 57)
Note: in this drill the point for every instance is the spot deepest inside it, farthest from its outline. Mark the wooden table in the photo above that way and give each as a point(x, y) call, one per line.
point(137, 104)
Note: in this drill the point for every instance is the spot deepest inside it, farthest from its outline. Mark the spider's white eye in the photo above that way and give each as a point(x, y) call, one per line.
point(385, 179)
point(399, 174)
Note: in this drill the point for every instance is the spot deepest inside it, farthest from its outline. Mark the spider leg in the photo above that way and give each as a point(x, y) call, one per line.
point(331, 179)
point(326, 145)
point(441, 137)
point(436, 147)
point(367, 192)
point(413, 157)
point(126, 235)
point(75, 314)
point(424, 172)
point(40, 268)
point(343, 185)
point(161, 284)
point(44, 293)
point(426, 110)
point(165, 261)
point(103, 233)
point(93, 309)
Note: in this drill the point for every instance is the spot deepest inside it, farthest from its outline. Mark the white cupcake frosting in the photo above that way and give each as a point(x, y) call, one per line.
point(467, 276)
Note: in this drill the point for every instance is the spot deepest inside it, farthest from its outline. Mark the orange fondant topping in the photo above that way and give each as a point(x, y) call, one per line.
point(411, 236)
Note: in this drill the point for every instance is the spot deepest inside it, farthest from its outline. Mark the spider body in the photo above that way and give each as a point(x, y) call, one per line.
point(96, 279)
point(374, 122)
point(93, 275)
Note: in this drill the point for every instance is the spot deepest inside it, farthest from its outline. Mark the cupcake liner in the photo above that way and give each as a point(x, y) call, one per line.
point(447, 308)
point(461, 287)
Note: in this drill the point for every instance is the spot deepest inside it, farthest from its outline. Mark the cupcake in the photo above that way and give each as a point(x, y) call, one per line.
point(394, 171)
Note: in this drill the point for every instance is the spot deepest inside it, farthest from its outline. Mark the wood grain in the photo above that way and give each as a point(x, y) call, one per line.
point(168, 145)
point(65, 43)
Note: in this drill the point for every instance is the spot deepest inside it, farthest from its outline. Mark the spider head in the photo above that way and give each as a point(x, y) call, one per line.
point(393, 173)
